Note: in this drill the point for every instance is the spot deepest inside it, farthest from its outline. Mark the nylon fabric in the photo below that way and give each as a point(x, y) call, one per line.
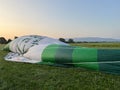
point(64, 54)
point(85, 55)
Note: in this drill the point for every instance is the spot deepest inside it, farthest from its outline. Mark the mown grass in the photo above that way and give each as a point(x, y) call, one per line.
point(24, 76)
point(98, 45)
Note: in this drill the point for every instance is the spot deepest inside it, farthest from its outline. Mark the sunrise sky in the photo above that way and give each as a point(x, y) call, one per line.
point(60, 18)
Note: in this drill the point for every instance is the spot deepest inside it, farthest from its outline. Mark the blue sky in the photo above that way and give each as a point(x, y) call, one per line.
point(60, 18)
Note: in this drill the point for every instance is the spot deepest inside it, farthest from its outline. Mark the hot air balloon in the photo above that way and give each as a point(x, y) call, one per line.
point(45, 50)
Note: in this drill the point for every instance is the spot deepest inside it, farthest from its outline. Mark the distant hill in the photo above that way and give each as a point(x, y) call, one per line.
point(94, 39)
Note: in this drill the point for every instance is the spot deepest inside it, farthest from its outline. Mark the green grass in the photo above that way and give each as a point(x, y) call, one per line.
point(98, 45)
point(24, 76)
point(1, 46)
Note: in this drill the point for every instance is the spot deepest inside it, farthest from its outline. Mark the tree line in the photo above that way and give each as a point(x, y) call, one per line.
point(70, 40)
point(5, 41)
point(67, 41)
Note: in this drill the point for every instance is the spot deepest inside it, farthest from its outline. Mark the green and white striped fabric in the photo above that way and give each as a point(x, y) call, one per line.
point(107, 60)
point(53, 52)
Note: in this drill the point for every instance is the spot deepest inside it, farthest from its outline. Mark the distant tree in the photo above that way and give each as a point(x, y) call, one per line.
point(70, 40)
point(15, 37)
point(3, 40)
point(62, 39)
point(9, 40)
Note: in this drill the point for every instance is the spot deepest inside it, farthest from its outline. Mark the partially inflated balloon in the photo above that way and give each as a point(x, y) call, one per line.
point(45, 50)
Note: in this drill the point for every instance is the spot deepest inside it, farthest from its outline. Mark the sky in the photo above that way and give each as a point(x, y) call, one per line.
point(60, 18)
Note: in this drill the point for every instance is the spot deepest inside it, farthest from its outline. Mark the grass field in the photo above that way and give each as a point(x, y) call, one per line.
point(98, 45)
point(24, 76)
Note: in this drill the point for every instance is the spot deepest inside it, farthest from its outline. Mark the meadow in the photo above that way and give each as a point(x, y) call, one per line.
point(108, 45)
point(25, 76)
